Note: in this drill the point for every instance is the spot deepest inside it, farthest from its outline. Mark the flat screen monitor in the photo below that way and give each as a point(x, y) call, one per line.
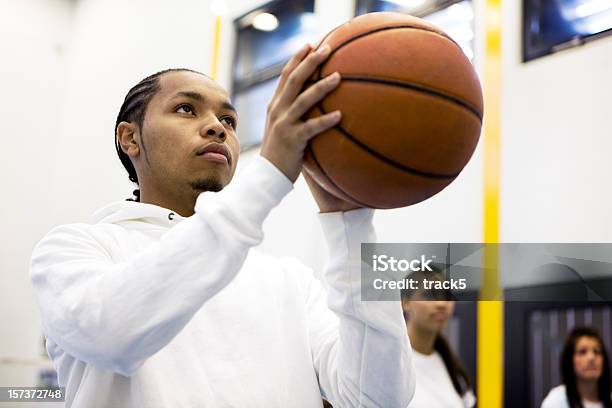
point(554, 25)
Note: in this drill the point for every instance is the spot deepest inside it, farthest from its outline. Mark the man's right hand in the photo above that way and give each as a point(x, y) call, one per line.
point(286, 134)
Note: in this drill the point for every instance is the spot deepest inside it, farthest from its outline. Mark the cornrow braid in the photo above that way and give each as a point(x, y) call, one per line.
point(133, 110)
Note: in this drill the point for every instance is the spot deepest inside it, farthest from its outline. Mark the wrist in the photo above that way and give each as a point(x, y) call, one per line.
point(340, 207)
point(280, 165)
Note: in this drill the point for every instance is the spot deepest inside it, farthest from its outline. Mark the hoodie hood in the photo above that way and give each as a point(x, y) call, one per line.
point(126, 211)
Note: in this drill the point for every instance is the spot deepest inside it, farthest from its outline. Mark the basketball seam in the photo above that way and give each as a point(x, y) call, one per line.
point(358, 36)
point(376, 30)
point(414, 87)
point(411, 85)
point(387, 160)
point(417, 87)
point(314, 158)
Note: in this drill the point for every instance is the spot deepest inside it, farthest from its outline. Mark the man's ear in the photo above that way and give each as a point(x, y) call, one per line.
point(405, 307)
point(129, 138)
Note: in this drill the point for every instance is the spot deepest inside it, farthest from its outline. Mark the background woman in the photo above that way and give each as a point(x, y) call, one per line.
point(585, 371)
point(442, 381)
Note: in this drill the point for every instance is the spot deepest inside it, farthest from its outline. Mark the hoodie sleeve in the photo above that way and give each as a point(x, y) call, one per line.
point(116, 315)
point(361, 351)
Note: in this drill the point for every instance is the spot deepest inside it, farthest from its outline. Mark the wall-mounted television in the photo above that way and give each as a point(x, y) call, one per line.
point(554, 25)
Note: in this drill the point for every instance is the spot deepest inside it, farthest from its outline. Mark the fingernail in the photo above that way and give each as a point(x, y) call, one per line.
point(336, 115)
point(334, 77)
point(323, 50)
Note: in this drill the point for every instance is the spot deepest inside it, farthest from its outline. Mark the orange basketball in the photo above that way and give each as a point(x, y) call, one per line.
point(411, 109)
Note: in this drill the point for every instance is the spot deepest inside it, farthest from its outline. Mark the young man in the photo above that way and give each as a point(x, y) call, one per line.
point(162, 302)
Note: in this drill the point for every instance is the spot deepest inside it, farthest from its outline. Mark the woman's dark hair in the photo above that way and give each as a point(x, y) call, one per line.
point(133, 110)
point(568, 373)
point(458, 374)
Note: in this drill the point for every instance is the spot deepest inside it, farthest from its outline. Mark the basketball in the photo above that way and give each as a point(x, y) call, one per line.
point(411, 107)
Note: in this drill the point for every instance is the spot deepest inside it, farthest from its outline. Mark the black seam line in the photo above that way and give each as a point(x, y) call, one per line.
point(314, 158)
point(358, 36)
point(416, 87)
point(386, 159)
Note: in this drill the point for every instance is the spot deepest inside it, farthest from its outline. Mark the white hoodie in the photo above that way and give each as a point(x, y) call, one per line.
point(148, 309)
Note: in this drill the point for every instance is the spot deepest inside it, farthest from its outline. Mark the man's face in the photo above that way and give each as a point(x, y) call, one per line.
point(188, 130)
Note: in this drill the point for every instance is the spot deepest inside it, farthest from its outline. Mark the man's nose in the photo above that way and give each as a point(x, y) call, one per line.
point(214, 129)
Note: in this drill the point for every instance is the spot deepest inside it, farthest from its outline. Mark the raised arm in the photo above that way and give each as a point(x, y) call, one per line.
point(116, 314)
point(362, 355)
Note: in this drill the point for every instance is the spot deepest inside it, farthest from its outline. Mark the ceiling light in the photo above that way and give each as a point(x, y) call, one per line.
point(265, 22)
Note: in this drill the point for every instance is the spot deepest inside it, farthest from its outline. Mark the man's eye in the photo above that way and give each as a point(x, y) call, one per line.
point(185, 109)
point(230, 121)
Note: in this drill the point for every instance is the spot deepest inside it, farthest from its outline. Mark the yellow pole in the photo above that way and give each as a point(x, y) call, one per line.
point(491, 313)
point(217, 40)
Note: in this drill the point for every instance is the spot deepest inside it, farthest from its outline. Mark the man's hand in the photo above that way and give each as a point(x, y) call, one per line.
point(286, 134)
point(327, 202)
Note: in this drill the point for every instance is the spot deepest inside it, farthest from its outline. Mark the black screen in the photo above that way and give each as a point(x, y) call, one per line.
point(554, 25)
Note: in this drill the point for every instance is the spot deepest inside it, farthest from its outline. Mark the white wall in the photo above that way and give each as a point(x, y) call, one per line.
point(33, 37)
point(556, 141)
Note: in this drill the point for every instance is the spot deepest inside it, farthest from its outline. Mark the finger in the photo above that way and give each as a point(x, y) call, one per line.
point(295, 80)
point(313, 127)
point(312, 95)
point(290, 66)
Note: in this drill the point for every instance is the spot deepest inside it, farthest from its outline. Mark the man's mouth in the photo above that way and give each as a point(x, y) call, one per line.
point(215, 152)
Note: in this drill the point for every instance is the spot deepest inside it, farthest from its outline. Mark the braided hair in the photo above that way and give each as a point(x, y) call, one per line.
point(133, 110)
